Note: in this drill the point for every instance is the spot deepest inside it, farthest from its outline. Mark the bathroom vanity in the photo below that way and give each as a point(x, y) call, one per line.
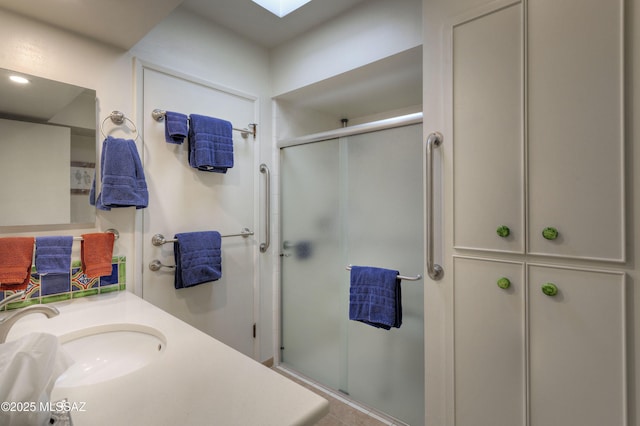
point(193, 379)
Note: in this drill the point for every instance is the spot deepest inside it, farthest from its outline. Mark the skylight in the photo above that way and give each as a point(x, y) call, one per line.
point(281, 7)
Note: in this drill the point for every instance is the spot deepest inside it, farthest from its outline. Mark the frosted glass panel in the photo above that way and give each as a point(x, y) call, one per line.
point(313, 293)
point(385, 229)
point(357, 200)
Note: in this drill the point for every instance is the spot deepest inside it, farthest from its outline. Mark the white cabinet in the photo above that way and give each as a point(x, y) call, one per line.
point(538, 129)
point(488, 132)
point(490, 369)
point(577, 347)
point(559, 357)
point(575, 127)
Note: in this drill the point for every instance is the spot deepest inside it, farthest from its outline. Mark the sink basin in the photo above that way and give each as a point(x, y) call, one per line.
point(105, 352)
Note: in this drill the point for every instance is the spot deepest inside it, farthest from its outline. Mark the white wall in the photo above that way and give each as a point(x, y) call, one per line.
point(372, 31)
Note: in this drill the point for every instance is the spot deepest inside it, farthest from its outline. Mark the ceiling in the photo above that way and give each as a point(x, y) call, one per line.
point(251, 21)
point(133, 19)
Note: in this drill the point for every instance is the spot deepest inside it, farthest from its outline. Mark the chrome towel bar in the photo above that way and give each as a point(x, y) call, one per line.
point(115, 233)
point(159, 115)
point(402, 277)
point(155, 265)
point(159, 239)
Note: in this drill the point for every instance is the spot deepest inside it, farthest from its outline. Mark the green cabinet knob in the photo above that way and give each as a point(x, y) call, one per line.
point(549, 289)
point(550, 233)
point(504, 283)
point(503, 231)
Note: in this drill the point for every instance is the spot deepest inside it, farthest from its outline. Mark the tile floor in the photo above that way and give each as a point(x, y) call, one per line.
point(341, 411)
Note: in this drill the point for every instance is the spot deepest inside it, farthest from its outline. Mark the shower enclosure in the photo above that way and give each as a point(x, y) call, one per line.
point(357, 200)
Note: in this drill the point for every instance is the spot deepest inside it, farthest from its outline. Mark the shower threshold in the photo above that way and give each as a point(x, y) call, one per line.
point(341, 396)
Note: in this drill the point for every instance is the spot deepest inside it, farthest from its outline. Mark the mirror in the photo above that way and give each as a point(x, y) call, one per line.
point(47, 151)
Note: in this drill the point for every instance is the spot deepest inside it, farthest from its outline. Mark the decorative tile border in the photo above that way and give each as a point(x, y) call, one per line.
point(56, 287)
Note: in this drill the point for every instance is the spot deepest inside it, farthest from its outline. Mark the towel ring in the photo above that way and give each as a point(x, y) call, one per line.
point(118, 118)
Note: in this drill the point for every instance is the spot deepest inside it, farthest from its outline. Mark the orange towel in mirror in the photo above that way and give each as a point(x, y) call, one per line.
point(16, 255)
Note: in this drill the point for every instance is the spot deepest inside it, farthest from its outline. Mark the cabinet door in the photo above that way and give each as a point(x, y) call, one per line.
point(488, 131)
point(575, 128)
point(577, 348)
point(489, 343)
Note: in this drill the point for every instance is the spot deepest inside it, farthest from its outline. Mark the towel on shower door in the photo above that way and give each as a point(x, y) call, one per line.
point(375, 297)
point(175, 127)
point(53, 254)
point(122, 176)
point(16, 255)
point(210, 144)
point(198, 258)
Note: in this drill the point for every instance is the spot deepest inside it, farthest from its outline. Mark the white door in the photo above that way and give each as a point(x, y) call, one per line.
point(183, 199)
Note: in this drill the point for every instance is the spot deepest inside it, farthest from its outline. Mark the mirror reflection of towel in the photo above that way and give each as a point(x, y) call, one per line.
point(375, 297)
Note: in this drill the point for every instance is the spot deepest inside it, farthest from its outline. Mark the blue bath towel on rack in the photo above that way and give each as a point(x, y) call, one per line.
point(53, 254)
point(375, 297)
point(198, 258)
point(210, 144)
point(122, 176)
point(176, 127)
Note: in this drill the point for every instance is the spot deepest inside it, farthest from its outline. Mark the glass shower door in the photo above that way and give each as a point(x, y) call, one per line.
point(355, 200)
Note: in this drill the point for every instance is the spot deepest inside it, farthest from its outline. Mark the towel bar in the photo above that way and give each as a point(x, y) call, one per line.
point(159, 239)
point(155, 265)
point(402, 277)
point(159, 115)
point(115, 233)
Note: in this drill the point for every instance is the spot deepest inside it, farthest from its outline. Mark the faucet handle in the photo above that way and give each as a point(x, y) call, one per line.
point(11, 298)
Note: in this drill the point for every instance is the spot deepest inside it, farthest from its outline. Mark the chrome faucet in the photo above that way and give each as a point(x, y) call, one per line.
point(7, 322)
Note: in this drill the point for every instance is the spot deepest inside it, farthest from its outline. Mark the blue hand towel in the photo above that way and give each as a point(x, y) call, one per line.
point(375, 297)
point(210, 144)
point(175, 127)
point(198, 258)
point(53, 254)
point(122, 175)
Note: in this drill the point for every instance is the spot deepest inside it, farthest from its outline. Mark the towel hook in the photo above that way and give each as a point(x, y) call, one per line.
point(118, 118)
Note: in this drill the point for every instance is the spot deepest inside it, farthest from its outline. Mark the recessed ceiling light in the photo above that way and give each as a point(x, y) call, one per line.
point(18, 79)
point(281, 7)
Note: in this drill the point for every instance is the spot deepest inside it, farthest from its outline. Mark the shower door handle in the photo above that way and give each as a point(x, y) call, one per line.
point(267, 207)
point(434, 270)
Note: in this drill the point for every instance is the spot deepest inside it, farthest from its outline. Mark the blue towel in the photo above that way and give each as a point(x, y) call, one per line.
point(210, 144)
point(198, 258)
point(175, 127)
point(374, 297)
point(123, 181)
point(53, 254)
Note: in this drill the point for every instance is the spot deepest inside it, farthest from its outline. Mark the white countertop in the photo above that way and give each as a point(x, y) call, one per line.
point(197, 380)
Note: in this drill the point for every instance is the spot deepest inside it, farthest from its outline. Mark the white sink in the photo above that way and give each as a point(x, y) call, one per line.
point(105, 352)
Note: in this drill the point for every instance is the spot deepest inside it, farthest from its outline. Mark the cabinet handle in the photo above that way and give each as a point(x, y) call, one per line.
point(503, 231)
point(434, 270)
point(550, 233)
point(549, 289)
point(504, 283)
